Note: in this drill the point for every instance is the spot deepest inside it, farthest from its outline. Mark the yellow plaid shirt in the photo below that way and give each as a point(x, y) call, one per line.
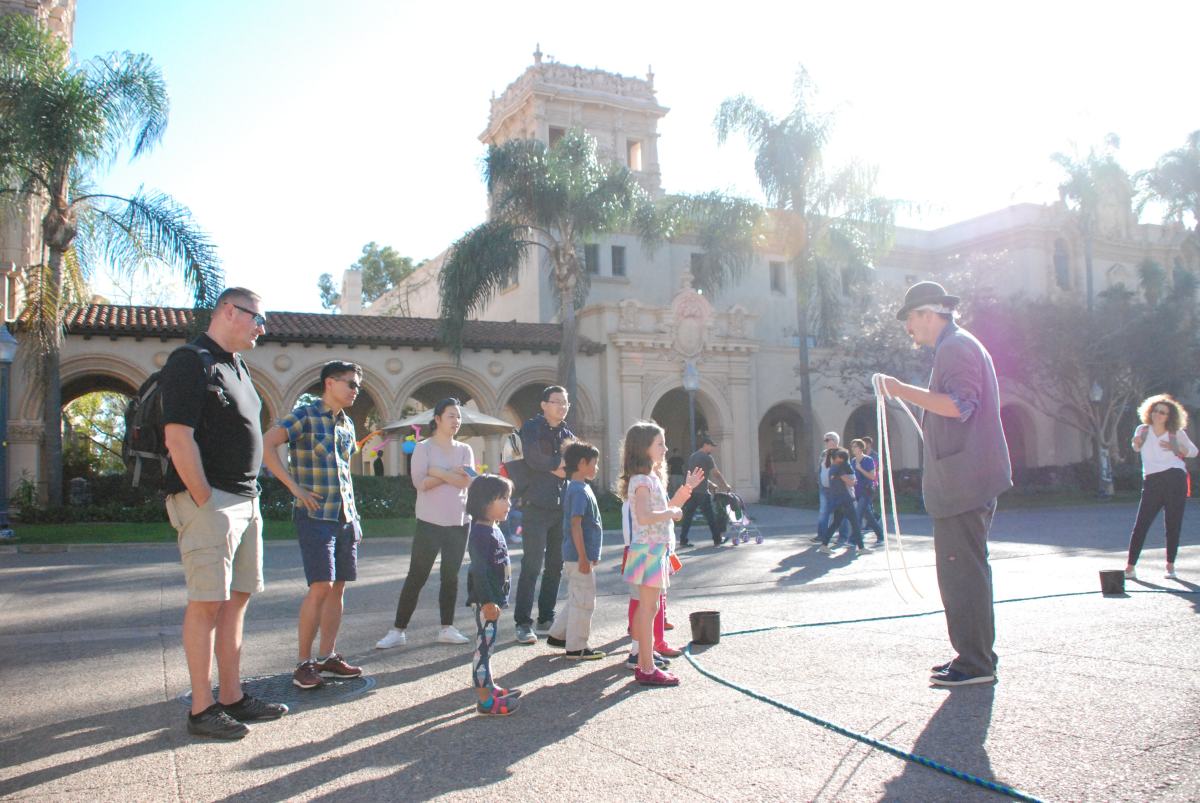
point(320, 447)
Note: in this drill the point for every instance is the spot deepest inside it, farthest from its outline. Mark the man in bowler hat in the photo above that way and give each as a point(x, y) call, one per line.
point(966, 468)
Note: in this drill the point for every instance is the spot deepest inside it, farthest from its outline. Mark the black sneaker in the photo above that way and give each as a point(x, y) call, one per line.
point(952, 677)
point(252, 709)
point(561, 643)
point(684, 544)
point(586, 654)
point(214, 723)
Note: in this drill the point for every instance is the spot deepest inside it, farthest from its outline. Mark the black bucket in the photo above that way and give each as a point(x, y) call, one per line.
point(1112, 581)
point(706, 627)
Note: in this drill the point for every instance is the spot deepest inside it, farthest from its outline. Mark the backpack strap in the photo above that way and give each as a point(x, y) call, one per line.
point(210, 369)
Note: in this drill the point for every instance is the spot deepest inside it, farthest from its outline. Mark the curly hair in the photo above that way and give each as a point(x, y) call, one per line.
point(1177, 417)
point(635, 457)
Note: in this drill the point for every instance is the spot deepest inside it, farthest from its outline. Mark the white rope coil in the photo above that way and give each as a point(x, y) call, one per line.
point(885, 455)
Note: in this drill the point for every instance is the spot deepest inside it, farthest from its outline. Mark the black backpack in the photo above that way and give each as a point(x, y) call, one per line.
point(145, 445)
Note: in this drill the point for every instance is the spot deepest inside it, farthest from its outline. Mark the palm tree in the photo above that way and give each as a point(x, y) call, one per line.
point(59, 124)
point(1175, 181)
point(830, 224)
point(550, 200)
point(1089, 183)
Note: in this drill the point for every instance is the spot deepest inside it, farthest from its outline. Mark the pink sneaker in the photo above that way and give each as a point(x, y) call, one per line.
point(656, 678)
point(667, 650)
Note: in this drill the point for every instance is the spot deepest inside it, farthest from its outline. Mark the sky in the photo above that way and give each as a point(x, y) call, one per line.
point(302, 130)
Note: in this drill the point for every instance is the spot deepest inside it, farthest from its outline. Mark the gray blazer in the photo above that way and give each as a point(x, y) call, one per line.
point(966, 458)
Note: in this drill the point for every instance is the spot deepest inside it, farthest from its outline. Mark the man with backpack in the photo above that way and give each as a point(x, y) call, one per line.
point(210, 416)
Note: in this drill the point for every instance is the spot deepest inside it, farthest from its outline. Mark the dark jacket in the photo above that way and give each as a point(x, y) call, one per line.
point(541, 447)
point(966, 458)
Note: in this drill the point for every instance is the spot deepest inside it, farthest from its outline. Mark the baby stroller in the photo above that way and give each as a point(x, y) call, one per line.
point(740, 526)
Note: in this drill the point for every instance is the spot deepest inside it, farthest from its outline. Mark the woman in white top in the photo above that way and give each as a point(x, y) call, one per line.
point(1163, 443)
point(439, 472)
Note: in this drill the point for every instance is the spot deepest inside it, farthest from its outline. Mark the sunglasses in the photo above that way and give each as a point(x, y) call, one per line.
point(351, 383)
point(259, 318)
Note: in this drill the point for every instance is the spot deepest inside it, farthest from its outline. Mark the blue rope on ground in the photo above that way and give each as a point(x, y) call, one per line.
point(868, 740)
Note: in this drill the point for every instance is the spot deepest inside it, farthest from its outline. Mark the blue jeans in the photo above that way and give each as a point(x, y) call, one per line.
point(864, 511)
point(842, 513)
point(824, 515)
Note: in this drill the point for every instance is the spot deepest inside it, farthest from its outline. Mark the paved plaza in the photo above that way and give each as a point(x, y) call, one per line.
point(1098, 699)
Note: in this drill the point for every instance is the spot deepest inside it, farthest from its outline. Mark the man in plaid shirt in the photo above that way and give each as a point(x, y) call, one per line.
point(320, 439)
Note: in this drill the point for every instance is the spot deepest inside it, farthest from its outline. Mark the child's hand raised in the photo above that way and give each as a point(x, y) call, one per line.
point(694, 478)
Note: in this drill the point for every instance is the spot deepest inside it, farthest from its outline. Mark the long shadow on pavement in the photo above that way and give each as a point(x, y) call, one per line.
point(429, 740)
point(955, 736)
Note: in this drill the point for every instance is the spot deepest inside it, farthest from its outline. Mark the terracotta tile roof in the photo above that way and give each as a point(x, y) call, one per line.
point(314, 327)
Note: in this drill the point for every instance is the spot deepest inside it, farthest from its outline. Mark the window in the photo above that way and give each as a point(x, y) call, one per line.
point(697, 264)
point(591, 258)
point(633, 154)
point(556, 134)
point(777, 285)
point(618, 260)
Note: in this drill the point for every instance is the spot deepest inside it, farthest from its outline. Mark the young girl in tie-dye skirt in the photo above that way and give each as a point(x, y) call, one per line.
point(652, 535)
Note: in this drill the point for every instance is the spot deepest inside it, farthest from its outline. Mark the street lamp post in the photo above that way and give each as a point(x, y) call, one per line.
point(691, 383)
point(1105, 467)
point(8, 350)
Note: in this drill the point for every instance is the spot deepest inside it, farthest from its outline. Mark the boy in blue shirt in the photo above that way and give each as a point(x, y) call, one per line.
point(582, 539)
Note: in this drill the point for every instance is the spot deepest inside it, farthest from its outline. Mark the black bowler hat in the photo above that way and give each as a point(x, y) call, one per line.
point(923, 293)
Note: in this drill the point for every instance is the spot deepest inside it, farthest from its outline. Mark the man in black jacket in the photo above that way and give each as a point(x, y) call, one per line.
point(541, 446)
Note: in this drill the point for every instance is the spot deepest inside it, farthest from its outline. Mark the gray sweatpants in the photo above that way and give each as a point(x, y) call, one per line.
point(965, 582)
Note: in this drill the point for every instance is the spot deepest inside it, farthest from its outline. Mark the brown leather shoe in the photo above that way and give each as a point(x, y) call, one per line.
point(335, 667)
point(307, 675)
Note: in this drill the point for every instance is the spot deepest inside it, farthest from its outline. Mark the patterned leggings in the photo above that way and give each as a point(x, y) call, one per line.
point(481, 666)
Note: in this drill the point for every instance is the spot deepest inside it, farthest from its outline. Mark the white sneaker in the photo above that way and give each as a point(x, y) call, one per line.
point(394, 638)
point(825, 550)
point(1130, 574)
point(1170, 574)
point(450, 635)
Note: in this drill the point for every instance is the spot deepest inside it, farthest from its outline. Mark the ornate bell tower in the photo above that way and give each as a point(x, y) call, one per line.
point(549, 99)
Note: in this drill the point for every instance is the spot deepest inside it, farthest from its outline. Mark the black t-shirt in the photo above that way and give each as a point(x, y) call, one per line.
point(226, 424)
point(704, 460)
point(838, 490)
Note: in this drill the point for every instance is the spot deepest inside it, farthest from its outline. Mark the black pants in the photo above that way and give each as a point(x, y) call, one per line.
point(1162, 489)
point(431, 539)
point(702, 500)
point(541, 542)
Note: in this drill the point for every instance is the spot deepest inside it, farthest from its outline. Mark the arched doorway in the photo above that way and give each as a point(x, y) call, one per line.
point(787, 457)
point(93, 425)
point(671, 413)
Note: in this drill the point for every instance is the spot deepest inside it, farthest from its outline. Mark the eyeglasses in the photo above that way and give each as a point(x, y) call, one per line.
point(1160, 412)
point(353, 384)
point(259, 318)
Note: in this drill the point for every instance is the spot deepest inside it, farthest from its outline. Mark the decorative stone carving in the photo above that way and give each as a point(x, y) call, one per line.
point(26, 432)
point(394, 365)
point(495, 368)
point(282, 362)
point(628, 321)
point(160, 358)
point(691, 315)
point(737, 321)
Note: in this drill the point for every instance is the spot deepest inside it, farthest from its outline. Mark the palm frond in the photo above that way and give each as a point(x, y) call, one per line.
point(726, 229)
point(478, 266)
point(129, 232)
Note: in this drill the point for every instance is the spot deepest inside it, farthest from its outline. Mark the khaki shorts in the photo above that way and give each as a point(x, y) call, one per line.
point(220, 543)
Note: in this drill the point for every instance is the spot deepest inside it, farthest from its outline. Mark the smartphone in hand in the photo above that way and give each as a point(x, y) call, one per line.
point(471, 472)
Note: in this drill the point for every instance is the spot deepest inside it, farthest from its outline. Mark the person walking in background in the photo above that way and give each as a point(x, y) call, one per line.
point(441, 471)
point(832, 441)
point(841, 499)
point(489, 579)
point(1162, 441)
point(210, 414)
point(865, 483)
point(583, 536)
point(542, 440)
point(966, 468)
point(321, 441)
point(701, 497)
